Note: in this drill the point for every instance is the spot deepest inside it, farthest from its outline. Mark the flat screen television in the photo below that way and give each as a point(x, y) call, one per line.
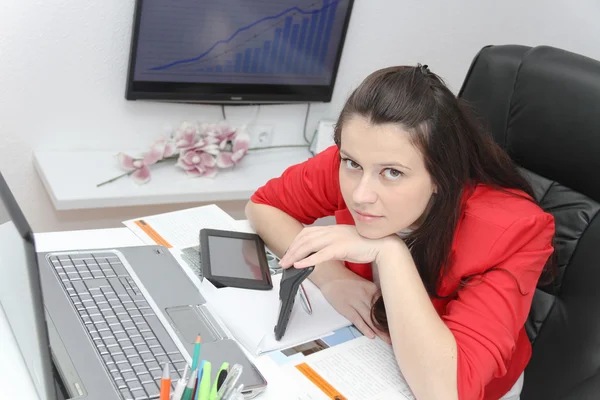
point(236, 51)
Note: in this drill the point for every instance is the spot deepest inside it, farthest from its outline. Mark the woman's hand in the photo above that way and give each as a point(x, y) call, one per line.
point(336, 242)
point(352, 296)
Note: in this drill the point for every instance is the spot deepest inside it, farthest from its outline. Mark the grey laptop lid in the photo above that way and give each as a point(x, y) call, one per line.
point(21, 293)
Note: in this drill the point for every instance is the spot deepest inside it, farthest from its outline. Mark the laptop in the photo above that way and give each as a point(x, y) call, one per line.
point(101, 324)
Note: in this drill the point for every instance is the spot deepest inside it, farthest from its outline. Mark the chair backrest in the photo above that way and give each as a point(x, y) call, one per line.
point(542, 105)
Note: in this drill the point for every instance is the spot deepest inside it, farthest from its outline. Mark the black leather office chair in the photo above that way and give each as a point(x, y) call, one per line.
point(542, 105)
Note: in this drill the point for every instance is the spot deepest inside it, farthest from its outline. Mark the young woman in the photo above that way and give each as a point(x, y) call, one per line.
point(438, 245)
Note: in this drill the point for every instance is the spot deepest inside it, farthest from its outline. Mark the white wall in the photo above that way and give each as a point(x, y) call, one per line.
point(63, 66)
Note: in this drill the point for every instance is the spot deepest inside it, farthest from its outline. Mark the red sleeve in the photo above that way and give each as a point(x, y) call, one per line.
point(489, 313)
point(306, 191)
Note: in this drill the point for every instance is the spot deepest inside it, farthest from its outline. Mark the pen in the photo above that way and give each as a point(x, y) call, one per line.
point(204, 383)
point(191, 385)
point(219, 379)
point(165, 383)
point(196, 358)
point(236, 394)
point(305, 302)
point(180, 387)
point(228, 385)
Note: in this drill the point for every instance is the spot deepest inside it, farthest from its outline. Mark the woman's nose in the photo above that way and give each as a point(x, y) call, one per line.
point(364, 193)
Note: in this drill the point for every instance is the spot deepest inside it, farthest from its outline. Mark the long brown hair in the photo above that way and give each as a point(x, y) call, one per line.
point(458, 154)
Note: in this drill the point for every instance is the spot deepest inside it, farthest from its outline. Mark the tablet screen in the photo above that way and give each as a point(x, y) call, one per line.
point(234, 257)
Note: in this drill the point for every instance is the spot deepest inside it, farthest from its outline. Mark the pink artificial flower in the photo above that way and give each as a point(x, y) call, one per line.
point(197, 162)
point(169, 147)
point(142, 172)
point(221, 133)
point(159, 150)
point(207, 145)
point(227, 159)
point(186, 136)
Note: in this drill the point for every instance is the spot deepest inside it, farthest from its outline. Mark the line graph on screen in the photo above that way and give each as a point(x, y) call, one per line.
point(287, 40)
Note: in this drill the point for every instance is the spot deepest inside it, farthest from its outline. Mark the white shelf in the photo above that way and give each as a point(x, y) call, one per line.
point(70, 177)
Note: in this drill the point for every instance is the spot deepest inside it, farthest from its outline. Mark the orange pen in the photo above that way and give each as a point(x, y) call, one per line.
point(165, 384)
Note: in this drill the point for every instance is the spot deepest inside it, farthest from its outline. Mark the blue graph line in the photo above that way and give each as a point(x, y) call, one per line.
point(245, 28)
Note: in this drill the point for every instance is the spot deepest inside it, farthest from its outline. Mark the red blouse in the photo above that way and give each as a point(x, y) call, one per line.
point(496, 229)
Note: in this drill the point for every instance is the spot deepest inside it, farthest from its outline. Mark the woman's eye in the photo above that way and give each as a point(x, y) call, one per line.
point(391, 173)
point(351, 164)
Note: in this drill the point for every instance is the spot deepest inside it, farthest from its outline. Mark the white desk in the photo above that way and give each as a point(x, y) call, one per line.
point(14, 377)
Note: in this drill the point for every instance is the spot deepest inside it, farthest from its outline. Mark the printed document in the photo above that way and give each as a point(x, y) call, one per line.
point(180, 228)
point(358, 369)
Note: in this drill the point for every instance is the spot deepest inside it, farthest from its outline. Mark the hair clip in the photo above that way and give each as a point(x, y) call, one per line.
point(424, 69)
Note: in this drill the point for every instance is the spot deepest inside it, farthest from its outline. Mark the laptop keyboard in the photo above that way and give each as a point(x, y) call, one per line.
point(128, 336)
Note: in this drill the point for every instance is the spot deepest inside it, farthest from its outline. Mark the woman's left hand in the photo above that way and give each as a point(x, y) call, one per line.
point(336, 242)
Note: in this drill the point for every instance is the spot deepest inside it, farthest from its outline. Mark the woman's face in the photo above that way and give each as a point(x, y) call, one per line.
point(383, 178)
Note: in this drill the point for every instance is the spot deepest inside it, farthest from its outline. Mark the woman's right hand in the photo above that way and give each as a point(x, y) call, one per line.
point(351, 295)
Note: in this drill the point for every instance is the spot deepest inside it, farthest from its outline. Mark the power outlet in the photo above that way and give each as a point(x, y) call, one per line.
point(262, 135)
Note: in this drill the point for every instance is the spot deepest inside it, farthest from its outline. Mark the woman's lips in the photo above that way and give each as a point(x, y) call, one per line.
point(365, 217)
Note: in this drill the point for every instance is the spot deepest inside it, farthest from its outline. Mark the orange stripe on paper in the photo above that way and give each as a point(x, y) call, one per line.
point(148, 230)
point(319, 382)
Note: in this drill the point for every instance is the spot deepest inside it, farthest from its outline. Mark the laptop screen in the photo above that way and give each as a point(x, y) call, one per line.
point(20, 292)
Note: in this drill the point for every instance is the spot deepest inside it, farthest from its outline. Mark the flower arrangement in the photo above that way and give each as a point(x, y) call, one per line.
point(198, 149)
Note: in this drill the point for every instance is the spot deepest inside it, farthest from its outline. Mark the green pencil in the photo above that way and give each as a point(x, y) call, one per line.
point(196, 358)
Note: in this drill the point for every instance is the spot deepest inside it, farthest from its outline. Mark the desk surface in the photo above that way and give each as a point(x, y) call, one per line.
point(14, 377)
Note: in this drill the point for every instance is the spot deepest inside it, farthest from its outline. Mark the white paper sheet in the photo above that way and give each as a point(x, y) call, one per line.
point(251, 316)
point(180, 228)
point(359, 369)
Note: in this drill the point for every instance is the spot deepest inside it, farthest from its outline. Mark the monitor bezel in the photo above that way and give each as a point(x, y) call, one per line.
point(222, 93)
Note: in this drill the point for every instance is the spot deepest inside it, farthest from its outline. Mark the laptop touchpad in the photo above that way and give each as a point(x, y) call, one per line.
point(193, 320)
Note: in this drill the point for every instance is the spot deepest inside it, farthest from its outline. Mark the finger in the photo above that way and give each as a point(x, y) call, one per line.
point(364, 309)
point(321, 256)
point(308, 231)
point(305, 237)
point(365, 313)
point(303, 246)
point(314, 259)
point(292, 249)
point(360, 324)
point(324, 243)
point(383, 335)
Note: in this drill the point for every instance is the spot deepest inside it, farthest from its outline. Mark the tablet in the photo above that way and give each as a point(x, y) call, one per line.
point(234, 259)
